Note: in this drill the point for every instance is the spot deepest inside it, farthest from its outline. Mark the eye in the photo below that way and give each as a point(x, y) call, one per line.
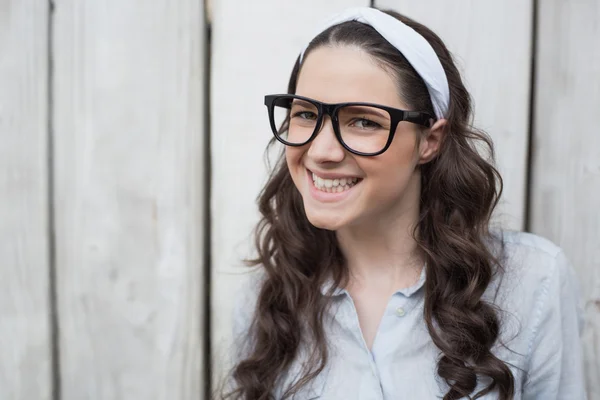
point(305, 115)
point(366, 123)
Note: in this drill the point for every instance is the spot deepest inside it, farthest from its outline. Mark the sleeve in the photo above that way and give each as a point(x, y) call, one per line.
point(555, 354)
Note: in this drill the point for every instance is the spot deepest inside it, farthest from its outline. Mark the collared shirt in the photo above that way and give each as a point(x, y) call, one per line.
point(541, 324)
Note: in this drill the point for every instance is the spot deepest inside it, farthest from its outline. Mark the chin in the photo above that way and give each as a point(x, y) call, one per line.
point(325, 219)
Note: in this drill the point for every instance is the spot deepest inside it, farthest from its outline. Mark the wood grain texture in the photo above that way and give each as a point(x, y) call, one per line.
point(129, 187)
point(491, 43)
point(254, 47)
point(566, 164)
point(25, 364)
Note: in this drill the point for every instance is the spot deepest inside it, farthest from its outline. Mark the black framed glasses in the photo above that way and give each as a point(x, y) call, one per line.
point(364, 129)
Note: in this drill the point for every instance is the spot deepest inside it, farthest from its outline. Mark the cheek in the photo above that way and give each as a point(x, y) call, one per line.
point(391, 171)
point(405, 145)
point(400, 158)
point(293, 158)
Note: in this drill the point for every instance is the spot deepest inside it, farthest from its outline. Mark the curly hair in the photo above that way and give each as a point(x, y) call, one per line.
point(459, 190)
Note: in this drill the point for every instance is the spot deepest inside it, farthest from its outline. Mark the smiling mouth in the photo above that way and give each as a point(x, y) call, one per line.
point(333, 185)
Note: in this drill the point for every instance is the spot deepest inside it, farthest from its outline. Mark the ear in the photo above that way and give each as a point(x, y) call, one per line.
point(431, 142)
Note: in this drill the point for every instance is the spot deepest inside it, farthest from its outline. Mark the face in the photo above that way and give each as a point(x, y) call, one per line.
point(353, 190)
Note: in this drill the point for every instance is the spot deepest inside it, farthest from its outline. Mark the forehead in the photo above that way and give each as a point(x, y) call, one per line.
point(345, 73)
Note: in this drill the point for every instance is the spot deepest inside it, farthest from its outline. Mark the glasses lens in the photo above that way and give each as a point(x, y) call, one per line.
point(295, 119)
point(363, 128)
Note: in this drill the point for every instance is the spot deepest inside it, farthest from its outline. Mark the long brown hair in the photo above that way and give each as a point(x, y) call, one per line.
point(460, 189)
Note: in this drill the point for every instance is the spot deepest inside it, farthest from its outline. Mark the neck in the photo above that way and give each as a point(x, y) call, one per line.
point(382, 253)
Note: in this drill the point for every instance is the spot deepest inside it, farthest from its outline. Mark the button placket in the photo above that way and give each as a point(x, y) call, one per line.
point(351, 320)
point(374, 370)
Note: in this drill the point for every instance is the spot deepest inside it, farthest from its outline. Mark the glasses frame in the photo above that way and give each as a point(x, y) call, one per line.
point(396, 116)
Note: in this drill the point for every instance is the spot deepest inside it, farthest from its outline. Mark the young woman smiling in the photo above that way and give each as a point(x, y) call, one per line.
point(379, 276)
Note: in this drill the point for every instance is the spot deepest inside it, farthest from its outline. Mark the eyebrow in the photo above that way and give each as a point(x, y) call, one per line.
point(303, 103)
point(368, 110)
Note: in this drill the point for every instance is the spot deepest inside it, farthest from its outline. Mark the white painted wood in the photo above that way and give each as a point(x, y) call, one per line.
point(254, 47)
point(129, 165)
point(566, 168)
point(25, 364)
point(491, 42)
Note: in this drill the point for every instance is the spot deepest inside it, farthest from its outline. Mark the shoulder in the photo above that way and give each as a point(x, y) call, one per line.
point(530, 243)
point(536, 280)
point(530, 260)
point(543, 317)
point(535, 272)
point(245, 300)
point(235, 342)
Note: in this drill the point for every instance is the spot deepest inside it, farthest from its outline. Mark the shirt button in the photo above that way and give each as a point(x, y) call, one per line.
point(400, 312)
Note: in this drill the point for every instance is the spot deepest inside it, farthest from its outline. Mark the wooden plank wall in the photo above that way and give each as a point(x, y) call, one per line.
point(25, 340)
point(565, 191)
point(119, 89)
point(129, 164)
point(255, 45)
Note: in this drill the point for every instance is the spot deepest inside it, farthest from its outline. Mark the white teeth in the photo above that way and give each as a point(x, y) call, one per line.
point(333, 185)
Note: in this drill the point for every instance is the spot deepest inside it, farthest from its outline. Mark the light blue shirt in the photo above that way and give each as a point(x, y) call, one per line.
point(542, 321)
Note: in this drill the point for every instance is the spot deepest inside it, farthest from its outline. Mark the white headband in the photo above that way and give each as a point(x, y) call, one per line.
point(414, 47)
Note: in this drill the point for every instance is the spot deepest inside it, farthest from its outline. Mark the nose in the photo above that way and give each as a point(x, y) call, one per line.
point(325, 147)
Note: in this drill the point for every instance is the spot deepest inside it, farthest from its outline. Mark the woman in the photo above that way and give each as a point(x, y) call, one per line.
point(379, 277)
